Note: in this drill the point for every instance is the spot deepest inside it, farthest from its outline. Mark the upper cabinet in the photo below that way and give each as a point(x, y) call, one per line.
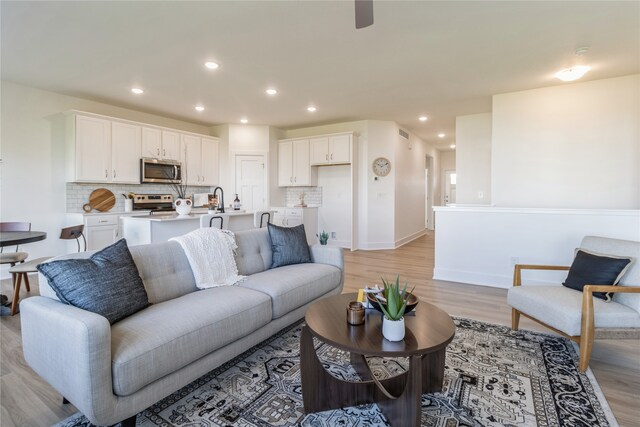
point(160, 144)
point(200, 160)
point(106, 150)
point(91, 139)
point(125, 153)
point(329, 150)
point(294, 169)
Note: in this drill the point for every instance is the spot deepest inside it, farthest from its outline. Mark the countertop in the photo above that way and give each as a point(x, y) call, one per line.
point(176, 217)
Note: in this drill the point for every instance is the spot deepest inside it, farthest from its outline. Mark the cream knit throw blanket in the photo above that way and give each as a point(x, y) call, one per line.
point(210, 253)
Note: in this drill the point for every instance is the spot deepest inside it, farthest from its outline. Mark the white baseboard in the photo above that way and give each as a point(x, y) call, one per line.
point(376, 246)
point(482, 279)
point(410, 238)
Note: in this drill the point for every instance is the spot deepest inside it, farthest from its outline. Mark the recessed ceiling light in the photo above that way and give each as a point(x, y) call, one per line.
point(137, 90)
point(573, 73)
point(199, 108)
point(271, 91)
point(211, 65)
point(244, 120)
point(441, 135)
point(423, 118)
point(311, 108)
point(453, 146)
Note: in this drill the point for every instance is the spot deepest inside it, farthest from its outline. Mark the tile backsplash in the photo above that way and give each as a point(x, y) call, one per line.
point(78, 193)
point(312, 196)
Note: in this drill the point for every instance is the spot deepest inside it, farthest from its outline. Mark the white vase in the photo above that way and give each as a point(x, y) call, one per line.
point(393, 330)
point(183, 206)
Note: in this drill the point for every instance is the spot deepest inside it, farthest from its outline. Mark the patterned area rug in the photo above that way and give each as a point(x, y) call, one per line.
point(494, 376)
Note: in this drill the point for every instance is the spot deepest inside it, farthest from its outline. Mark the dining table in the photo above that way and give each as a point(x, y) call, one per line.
point(14, 238)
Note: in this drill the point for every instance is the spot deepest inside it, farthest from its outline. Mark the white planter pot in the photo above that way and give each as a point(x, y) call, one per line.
point(183, 206)
point(393, 330)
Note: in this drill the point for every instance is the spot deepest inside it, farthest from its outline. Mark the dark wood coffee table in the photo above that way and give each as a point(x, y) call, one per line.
point(428, 333)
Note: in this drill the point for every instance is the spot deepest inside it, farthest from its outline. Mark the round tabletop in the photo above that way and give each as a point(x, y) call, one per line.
point(11, 238)
point(429, 329)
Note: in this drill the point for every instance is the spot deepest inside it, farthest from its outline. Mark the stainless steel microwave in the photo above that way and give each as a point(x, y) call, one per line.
point(160, 171)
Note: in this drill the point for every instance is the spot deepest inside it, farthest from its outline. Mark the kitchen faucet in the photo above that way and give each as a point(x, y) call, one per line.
point(220, 200)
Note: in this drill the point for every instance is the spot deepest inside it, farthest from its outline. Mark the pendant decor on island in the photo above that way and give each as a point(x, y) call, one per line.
point(183, 206)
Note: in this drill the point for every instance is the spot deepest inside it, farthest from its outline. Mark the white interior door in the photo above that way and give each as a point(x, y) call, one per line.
point(449, 187)
point(251, 182)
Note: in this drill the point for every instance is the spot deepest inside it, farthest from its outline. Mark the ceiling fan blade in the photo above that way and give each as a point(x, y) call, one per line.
point(364, 13)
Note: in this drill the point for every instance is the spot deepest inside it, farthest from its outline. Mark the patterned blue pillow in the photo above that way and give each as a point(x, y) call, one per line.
point(107, 283)
point(288, 245)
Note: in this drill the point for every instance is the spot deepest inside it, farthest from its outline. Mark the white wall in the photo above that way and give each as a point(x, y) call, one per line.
point(335, 213)
point(480, 245)
point(473, 159)
point(32, 175)
point(569, 146)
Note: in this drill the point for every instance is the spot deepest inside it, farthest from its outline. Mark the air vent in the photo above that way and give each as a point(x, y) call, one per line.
point(403, 134)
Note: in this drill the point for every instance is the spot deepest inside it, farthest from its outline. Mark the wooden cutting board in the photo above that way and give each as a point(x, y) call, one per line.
point(101, 200)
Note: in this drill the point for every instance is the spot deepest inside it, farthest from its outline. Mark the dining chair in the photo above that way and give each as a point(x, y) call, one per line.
point(15, 256)
point(261, 218)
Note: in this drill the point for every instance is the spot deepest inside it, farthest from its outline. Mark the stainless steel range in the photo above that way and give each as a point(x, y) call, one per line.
point(153, 202)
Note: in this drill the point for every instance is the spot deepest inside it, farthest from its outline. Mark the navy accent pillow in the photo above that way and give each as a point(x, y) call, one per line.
point(595, 269)
point(288, 245)
point(107, 283)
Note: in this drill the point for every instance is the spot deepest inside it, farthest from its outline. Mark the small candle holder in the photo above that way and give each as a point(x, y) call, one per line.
point(355, 313)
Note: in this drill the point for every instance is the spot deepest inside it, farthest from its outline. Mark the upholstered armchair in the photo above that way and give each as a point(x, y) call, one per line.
point(577, 315)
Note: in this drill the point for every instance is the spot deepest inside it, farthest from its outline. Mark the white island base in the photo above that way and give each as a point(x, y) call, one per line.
point(142, 230)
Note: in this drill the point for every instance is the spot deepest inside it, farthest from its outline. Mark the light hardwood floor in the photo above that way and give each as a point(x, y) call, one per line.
point(26, 400)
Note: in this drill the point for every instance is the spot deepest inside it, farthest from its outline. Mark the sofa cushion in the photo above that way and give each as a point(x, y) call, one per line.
point(254, 251)
point(590, 268)
point(293, 286)
point(164, 269)
point(108, 283)
point(170, 335)
point(561, 308)
point(288, 245)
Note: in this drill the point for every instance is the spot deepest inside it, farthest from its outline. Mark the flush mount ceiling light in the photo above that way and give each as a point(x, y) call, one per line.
point(244, 120)
point(271, 91)
point(137, 90)
point(573, 73)
point(311, 108)
point(211, 65)
point(199, 108)
point(441, 135)
point(423, 118)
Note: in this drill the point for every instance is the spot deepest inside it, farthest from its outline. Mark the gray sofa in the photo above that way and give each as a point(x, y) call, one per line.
point(110, 373)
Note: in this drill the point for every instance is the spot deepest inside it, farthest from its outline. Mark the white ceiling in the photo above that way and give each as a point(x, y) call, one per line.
point(442, 59)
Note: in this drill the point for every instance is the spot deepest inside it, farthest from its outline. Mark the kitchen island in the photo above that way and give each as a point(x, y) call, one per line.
point(140, 230)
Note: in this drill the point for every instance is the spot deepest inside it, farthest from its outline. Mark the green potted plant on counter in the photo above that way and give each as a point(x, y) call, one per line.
point(393, 303)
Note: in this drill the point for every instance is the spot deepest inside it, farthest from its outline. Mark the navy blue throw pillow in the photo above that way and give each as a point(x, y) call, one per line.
point(288, 245)
point(107, 283)
point(593, 269)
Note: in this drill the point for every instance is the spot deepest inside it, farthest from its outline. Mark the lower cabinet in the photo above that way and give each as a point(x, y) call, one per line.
point(102, 230)
point(292, 217)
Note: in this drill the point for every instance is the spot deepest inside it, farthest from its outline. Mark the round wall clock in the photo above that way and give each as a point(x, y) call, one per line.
point(381, 166)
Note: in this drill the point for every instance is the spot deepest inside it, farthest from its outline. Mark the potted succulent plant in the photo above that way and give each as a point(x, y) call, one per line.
point(323, 237)
point(393, 303)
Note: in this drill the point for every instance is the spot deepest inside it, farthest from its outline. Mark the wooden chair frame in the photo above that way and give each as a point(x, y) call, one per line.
point(587, 330)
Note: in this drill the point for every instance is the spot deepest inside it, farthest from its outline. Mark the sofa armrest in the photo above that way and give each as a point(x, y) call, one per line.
point(517, 269)
point(331, 255)
point(71, 349)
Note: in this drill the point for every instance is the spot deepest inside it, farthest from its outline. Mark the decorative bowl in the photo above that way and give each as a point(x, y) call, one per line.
point(412, 302)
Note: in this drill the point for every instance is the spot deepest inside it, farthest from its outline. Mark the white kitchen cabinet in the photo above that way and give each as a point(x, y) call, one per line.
point(125, 153)
point(201, 158)
point(210, 162)
point(294, 169)
point(91, 145)
point(170, 146)
point(329, 150)
point(151, 143)
point(100, 231)
point(292, 217)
